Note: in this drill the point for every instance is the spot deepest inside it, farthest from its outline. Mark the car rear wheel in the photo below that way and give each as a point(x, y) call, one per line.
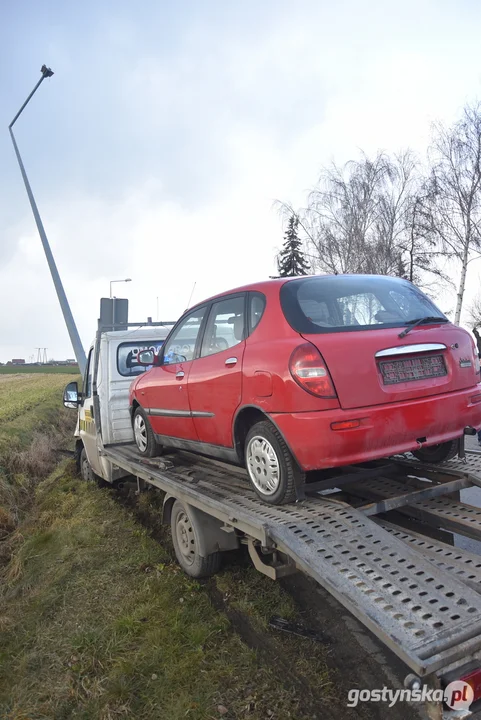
point(438, 453)
point(144, 436)
point(272, 470)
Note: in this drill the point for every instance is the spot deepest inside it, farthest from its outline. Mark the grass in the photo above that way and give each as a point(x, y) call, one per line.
point(35, 426)
point(98, 621)
point(39, 369)
point(20, 393)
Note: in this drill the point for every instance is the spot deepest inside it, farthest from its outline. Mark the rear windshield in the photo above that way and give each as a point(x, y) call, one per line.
point(340, 303)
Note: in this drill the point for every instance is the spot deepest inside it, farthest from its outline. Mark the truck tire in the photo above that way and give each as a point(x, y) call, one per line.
point(86, 472)
point(272, 469)
point(438, 453)
point(185, 537)
point(144, 436)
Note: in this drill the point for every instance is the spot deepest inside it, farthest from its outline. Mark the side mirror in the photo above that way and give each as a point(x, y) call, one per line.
point(146, 357)
point(71, 397)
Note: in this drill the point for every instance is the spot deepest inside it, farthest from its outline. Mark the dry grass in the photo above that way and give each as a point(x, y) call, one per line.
point(99, 623)
point(28, 444)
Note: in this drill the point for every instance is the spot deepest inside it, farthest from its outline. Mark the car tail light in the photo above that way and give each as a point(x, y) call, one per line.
point(310, 371)
point(473, 679)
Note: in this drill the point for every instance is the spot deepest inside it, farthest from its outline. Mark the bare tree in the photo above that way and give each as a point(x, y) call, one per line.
point(422, 255)
point(455, 192)
point(341, 214)
point(474, 312)
point(370, 216)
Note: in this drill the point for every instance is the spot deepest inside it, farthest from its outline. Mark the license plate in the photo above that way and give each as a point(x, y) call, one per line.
point(409, 369)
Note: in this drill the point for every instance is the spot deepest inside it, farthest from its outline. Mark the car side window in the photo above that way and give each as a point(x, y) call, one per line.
point(88, 376)
point(257, 305)
point(180, 347)
point(225, 326)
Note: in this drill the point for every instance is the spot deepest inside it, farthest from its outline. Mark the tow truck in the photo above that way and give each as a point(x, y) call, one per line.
point(387, 539)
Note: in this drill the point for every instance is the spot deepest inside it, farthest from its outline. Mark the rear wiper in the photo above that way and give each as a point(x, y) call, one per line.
point(419, 321)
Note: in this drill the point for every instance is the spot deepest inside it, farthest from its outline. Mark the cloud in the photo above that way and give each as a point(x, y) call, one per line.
point(170, 137)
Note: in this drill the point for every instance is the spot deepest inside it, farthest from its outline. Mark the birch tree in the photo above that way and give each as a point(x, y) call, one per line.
point(455, 192)
point(371, 216)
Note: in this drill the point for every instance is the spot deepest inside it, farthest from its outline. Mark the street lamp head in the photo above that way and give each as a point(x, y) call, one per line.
point(46, 72)
point(128, 280)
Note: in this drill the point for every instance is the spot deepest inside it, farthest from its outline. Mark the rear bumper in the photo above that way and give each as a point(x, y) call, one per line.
point(384, 430)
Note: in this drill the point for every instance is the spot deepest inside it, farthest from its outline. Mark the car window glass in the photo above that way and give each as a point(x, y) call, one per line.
point(181, 345)
point(225, 326)
point(257, 306)
point(353, 302)
point(359, 309)
point(128, 353)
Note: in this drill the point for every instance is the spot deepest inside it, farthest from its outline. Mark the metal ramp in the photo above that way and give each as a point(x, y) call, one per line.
point(439, 512)
point(419, 601)
point(462, 563)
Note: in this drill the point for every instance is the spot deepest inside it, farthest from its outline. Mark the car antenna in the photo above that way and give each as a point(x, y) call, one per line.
point(191, 294)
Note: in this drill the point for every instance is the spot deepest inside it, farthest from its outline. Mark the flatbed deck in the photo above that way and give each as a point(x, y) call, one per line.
point(419, 595)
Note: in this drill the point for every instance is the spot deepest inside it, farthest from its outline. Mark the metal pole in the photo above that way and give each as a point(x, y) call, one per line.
point(67, 314)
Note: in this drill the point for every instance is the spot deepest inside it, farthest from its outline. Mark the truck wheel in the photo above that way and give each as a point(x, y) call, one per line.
point(87, 473)
point(185, 536)
point(438, 453)
point(143, 434)
point(272, 470)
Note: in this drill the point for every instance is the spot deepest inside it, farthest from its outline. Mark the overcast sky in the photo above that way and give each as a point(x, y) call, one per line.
point(157, 149)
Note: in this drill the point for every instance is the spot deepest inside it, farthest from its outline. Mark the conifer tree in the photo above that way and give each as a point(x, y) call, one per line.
point(291, 260)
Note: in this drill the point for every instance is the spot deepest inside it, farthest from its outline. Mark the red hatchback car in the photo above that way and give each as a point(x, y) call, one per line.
point(298, 374)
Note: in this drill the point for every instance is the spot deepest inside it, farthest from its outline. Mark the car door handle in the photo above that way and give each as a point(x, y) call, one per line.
point(231, 361)
point(180, 375)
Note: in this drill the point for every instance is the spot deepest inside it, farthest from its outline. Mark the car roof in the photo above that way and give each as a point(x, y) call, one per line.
point(260, 286)
point(267, 285)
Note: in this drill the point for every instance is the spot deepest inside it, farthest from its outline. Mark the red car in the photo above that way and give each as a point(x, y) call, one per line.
point(297, 374)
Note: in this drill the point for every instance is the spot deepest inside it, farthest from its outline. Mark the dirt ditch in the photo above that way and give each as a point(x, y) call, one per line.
point(354, 657)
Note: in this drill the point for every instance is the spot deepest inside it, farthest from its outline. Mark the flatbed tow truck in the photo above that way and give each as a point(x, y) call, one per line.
point(378, 537)
point(351, 530)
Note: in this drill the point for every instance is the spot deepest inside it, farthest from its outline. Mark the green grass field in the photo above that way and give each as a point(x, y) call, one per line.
point(42, 369)
point(98, 621)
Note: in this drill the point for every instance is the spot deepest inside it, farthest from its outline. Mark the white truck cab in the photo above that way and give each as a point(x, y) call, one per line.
point(103, 404)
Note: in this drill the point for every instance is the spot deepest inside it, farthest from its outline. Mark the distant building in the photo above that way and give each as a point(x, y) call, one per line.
point(18, 361)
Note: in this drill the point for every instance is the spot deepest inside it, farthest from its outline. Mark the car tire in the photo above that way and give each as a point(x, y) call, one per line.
point(438, 453)
point(144, 436)
point(272, 469)
point(185, 538)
